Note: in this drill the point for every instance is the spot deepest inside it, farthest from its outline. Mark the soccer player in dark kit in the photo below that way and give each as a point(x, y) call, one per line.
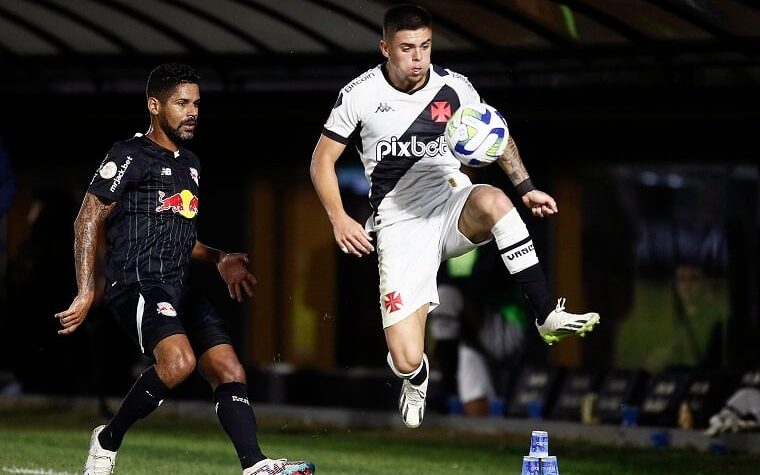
point(145, 195)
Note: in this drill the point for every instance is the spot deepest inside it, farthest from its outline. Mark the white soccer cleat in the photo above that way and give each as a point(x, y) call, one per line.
point(280, 467)
point(411, 402)
point(560, 324)
point(99, 461)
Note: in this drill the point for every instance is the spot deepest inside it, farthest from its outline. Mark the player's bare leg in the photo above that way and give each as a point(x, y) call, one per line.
point(406, 357)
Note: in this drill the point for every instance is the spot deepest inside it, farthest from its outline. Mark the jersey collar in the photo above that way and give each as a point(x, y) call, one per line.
point(384, 69)
point(158, 147)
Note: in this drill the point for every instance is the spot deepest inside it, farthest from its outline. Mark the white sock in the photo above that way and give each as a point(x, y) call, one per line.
point(514, 242)
point(404, 375)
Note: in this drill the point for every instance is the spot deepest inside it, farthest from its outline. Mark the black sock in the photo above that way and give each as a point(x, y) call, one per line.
point(419, 378)
point(144, 397)
point(238, 420)
point(519, 256)
point(533, 284)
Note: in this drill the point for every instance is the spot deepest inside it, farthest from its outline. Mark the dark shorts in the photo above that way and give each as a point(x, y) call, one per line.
point(152, 312)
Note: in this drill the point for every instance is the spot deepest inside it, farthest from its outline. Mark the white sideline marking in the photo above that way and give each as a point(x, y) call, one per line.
point(33, 471)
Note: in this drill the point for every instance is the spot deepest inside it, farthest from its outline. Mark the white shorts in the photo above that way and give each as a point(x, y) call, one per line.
point(410, 253)
point(473, 377)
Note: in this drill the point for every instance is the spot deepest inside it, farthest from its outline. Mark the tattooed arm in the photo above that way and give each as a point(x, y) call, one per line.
point(92, 214)
point(512, 164)
point(540, 203)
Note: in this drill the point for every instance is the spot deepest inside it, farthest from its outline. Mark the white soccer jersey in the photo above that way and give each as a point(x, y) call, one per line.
point(400, 140)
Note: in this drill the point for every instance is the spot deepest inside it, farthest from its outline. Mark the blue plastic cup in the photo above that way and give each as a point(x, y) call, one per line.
point(531, 466)
point(549, 466)
point(539, 444)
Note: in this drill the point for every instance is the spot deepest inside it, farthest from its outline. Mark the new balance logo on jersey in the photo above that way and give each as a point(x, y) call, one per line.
point(415, 148)
point(384, 107)
point(166, 171)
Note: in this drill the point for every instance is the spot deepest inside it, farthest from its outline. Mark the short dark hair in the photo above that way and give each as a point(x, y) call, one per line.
point(405, 17)
point(164, 78)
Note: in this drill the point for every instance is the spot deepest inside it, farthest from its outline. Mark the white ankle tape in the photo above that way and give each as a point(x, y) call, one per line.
point(514, 242)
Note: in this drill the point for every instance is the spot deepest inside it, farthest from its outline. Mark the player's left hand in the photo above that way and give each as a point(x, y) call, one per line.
point(72, 317)
point(232, 268)
point(540, 203)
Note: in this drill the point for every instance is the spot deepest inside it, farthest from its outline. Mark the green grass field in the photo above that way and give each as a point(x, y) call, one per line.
point(54, 442)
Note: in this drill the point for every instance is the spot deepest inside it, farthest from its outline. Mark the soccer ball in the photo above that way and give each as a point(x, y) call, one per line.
point(477, 134)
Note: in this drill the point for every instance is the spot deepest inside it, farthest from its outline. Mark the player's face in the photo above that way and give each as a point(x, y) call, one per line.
point(178, 115)
point(408, 53)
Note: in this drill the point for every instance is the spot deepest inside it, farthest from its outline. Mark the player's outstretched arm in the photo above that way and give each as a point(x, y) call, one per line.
point(541, 204)
point(92, 215)
point(350, 236)
point(232, 268)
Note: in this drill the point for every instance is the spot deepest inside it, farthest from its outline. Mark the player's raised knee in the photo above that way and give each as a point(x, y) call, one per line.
point(491, 202)
point(406, 361)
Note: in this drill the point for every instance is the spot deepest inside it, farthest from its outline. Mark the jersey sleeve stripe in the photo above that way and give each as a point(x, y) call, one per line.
point(332, 135)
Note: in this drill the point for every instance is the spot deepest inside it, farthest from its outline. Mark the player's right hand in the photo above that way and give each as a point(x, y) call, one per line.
point(351, 236)
point(71, 318)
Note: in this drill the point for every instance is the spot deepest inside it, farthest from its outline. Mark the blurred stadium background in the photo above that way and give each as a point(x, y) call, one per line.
point(638, 116)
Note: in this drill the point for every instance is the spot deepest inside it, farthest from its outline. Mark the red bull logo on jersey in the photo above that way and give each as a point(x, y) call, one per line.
point(414, 148)
point(165, 308)
point(392, 301)
point(185, 203)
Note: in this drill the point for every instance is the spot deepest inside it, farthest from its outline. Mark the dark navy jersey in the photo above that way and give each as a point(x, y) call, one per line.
point(151, 230)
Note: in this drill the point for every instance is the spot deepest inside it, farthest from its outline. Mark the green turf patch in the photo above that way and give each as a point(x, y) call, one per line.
point(55, 442)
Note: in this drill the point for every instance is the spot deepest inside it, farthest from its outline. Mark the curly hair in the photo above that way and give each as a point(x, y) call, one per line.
point(164, 78)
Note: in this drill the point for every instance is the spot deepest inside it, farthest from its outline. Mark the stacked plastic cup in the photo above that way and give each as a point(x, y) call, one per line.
point(531, 466)
point(538, 461)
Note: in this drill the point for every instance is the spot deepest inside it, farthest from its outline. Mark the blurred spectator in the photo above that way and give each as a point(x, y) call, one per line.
point(681, 325)
point(479, 330)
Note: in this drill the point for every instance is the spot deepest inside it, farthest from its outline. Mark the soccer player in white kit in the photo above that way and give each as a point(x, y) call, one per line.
point(425, 210)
